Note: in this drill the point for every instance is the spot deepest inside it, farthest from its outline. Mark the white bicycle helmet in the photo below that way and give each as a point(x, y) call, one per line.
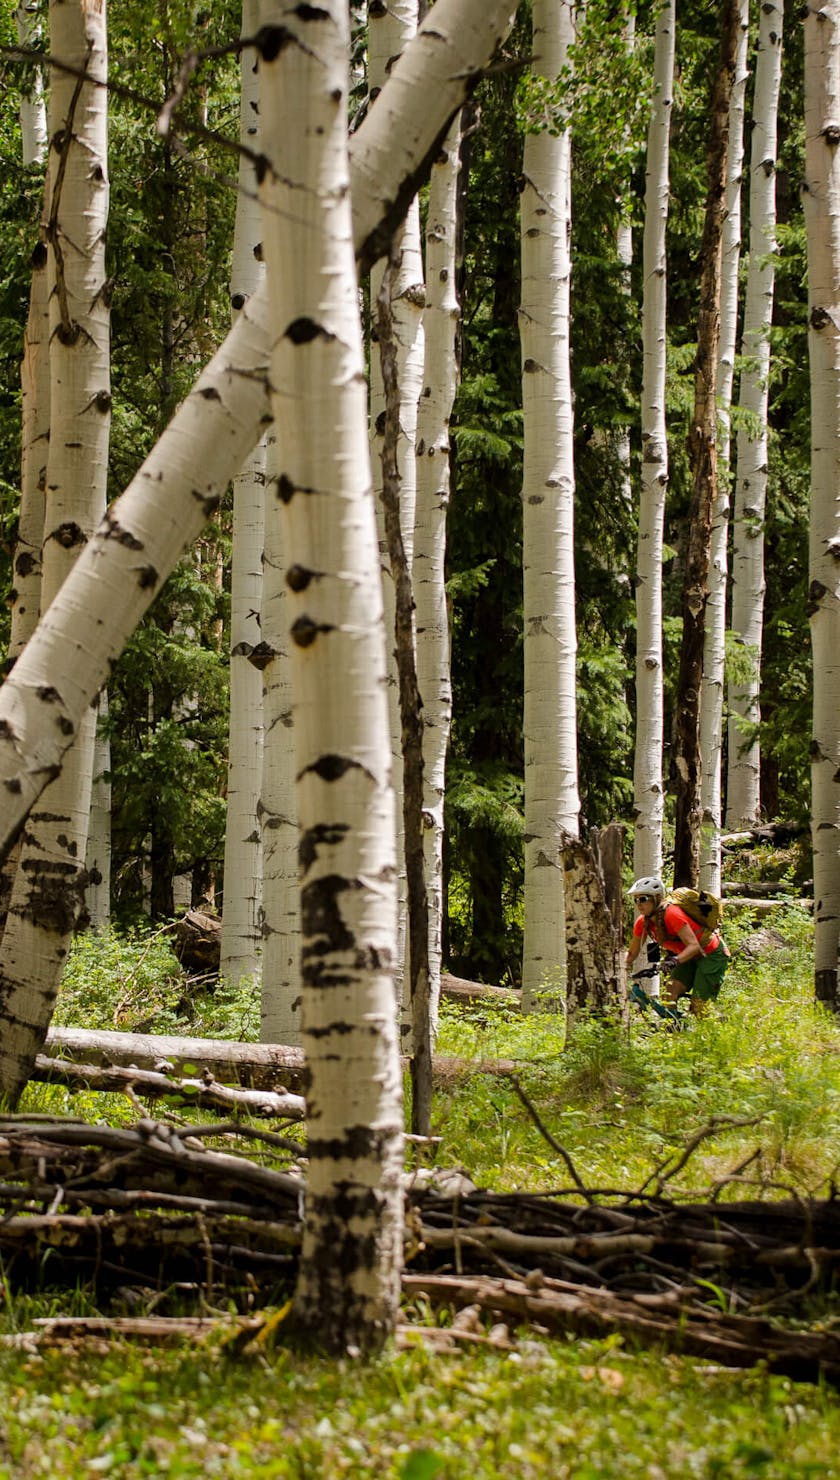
point(649, 884)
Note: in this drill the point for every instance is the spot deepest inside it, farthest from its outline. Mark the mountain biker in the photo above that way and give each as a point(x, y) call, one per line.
point(693, 967)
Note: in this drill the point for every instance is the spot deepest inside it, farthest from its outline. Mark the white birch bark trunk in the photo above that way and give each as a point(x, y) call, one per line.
point(180, 484)
point(390, 28)
point(33, 112)
point(624, 252)
point(714, 650)
point(743, 795)
point(280, 1020)
point(821, 200)
point(242, 897)
point(98, 853)
point(440, 378)
point(34, 444)
point(349, 1281)
point(647, 771)
point(550, 646)
point(48, 888)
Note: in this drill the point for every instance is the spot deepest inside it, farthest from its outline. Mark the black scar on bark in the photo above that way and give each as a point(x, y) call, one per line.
point(322, 924)
point(324, 835)
point(209, 393)
point(209, 501)
point(56, 895)
point(47, 694)
point(304, 330)
point(69, 535)
point(25, 564)
point(306, 12)
point(113, 530)
point(304, 631)
point(332, 767)
point(271, 40)
point(147, 578)
point(298, 577)
point(357, 1141)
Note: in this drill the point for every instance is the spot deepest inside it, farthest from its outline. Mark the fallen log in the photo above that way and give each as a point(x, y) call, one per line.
point(259, 1066)
point(204, 1093)
point(263, 1066)
point(734, 905)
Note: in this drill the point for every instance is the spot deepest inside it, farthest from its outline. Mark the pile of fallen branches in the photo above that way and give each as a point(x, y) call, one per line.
point(142, 1213)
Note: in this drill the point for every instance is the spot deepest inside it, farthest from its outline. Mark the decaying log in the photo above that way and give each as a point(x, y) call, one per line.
point(204, 1092)
point(763, 906)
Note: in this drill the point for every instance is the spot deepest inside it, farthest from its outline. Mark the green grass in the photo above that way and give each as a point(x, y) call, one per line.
point(620, 1106)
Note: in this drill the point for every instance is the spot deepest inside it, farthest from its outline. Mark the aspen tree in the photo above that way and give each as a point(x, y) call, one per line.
point(702, 446)
point(550, 715)
point(47, 892)
point(821, 201)
point(743, 800)
point(390, 27)
point(179, 485)
point(348, 1285)
point(714, 646)
point(440, 375)
point(33, 113)
point(648, 794)
point(243, 863)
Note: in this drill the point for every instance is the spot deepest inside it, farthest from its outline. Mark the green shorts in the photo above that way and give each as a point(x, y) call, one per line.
point(703, 975)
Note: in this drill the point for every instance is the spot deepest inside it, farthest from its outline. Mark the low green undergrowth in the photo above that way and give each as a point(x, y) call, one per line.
point(564, 1410)
point(760, 1074)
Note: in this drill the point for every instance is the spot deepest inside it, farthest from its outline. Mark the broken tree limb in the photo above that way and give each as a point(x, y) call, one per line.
point(204, 1092)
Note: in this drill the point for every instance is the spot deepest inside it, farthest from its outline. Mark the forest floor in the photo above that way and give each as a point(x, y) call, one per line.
point(763, 1067)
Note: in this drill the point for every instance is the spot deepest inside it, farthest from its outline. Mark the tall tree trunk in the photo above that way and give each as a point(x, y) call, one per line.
point(33, 114)
point(440, 322)
point(550, 647)
point(145, 531)
point(48, 888)
point(648, 796)
point(714, 642)
point(348, 1287)
point(98, 854)
point(743, 799)
point(703, 455)
point(821, 200)
point(390, 28)
point(243, 865)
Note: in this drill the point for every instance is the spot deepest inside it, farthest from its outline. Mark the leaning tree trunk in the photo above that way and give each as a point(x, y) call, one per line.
point(743, 793)
point(550, 715)
point(243, 865)
point(648, 796)
point(714, 643)
point(703, 454)
point(180, 484)
point(821, 199)
point(348, 1286)
point(48, 888)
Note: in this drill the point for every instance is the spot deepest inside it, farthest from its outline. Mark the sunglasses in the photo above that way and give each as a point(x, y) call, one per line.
point(644, 899)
